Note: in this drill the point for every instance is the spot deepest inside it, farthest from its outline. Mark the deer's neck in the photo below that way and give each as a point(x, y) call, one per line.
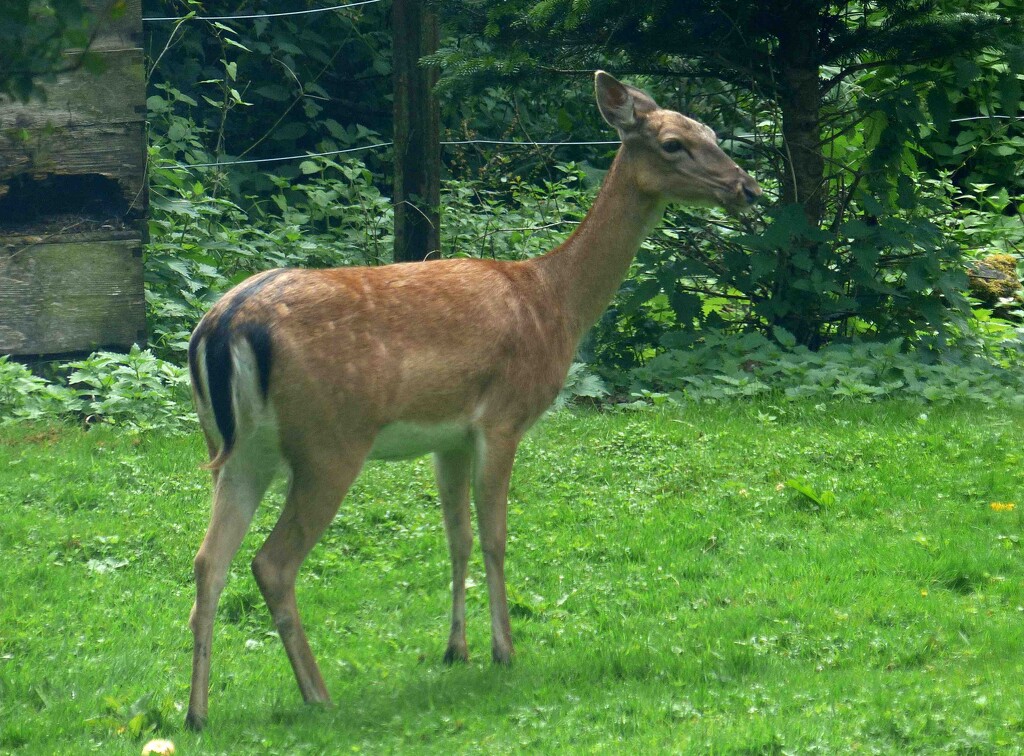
point(587, 269)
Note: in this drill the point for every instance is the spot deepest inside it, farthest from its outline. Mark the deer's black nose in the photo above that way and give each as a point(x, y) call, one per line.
point(753, 194)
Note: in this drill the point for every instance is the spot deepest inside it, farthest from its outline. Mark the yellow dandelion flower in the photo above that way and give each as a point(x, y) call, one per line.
point(1002, 506)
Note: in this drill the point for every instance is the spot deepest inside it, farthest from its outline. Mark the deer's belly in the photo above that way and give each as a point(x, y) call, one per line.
point(408, 440)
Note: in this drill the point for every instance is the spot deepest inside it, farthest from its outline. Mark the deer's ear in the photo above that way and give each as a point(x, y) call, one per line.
point(619, 103)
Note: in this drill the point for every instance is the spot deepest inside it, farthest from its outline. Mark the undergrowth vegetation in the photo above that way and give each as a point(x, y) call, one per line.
point(332, 214)
point(202, 243)
point(137, 390)
point(721, 367)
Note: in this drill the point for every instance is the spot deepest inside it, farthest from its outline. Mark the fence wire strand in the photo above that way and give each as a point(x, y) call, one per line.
point(461, 142)
point(251, 16)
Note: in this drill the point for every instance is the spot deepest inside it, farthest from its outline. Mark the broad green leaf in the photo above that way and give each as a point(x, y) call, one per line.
point(784, 337)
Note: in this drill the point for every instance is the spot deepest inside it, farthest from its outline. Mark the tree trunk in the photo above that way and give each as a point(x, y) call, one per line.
point(417, 133)
point(801, 133)
point(797, 57)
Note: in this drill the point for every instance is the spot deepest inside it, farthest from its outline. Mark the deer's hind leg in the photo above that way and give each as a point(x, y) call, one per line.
point(238, 488)
point(319, 481)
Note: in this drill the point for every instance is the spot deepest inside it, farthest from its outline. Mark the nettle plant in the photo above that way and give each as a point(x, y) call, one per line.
point(515, 220)
point(137, 390)
point(27, 396)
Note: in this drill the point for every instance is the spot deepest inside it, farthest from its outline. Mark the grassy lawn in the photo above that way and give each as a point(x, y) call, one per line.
point(670, 593)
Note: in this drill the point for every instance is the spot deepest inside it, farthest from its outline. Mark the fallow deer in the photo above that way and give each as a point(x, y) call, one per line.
point(323, 369)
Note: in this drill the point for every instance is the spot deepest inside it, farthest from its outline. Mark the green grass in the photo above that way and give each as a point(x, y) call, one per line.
point(670, 593)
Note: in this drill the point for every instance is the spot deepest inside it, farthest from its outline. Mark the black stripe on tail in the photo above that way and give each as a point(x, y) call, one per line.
point(218, 333)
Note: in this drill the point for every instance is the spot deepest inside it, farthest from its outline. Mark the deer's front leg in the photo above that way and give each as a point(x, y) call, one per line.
point(495, 453)
point(453, 474)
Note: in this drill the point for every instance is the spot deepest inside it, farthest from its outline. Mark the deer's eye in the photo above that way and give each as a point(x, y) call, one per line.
point(672, 146)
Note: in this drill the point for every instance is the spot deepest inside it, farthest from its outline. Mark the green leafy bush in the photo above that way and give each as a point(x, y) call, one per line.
point(516, 221)
point(201, 243)
point(580, 383)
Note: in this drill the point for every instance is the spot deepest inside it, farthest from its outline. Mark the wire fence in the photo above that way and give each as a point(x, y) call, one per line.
point(363, 148)
point(489, 142)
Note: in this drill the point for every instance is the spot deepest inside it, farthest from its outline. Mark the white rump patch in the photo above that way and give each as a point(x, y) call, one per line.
point(246, 396)
point(256, 431)
point(255, 419)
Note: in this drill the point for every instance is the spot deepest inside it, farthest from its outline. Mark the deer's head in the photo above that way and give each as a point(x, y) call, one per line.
point(672, 156)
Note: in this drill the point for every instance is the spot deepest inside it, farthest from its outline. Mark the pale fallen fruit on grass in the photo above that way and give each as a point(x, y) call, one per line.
point(158, 748)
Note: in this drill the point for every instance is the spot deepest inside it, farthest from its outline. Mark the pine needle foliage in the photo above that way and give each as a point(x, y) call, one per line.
point(731, 40)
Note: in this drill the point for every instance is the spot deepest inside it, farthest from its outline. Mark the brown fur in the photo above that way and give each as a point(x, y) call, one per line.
point(358, 349)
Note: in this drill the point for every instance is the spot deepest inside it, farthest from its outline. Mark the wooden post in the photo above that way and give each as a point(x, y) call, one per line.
point(417, 187)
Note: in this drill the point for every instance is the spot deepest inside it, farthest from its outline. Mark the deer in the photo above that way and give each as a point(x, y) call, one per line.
point(318, 371)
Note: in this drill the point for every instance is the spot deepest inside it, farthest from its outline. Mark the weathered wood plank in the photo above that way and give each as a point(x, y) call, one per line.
point(89, 124)
point(79, 98)
point(73, 296)
point(77, 161)
point(120, 23)
point(116, 151)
